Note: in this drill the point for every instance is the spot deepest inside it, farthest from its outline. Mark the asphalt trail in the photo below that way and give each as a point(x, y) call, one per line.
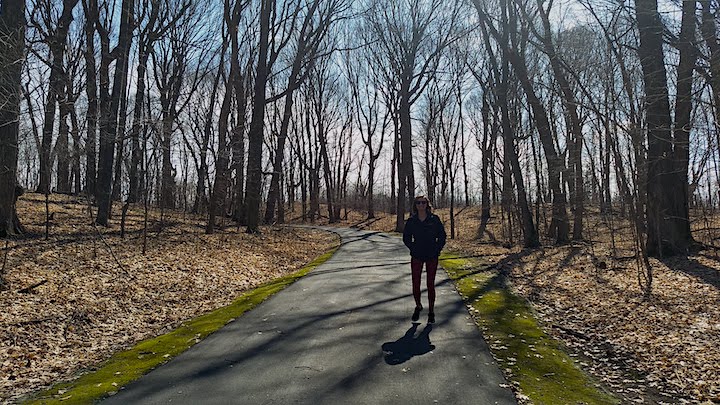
point(340, 335)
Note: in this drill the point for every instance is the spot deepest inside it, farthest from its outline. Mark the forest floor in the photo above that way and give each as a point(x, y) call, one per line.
point(100, 295)
point(658, 349)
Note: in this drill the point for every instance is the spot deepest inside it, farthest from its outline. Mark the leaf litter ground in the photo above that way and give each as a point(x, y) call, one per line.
point(665, 349)
point(92, 305)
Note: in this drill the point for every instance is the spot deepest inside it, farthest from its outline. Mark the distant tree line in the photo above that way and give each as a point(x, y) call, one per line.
point(247, 109)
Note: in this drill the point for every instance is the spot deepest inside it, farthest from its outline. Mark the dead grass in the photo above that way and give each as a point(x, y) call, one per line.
point(93, 305)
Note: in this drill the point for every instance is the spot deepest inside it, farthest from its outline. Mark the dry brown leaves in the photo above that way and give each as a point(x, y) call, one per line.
point(93, 305)
point(664, 349)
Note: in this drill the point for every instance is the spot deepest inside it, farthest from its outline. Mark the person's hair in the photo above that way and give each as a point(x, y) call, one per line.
point(428, 208)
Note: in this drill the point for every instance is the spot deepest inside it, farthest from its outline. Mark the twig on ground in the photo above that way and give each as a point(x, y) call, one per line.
point(2, 271)
point(32, 287)
point(36, 321)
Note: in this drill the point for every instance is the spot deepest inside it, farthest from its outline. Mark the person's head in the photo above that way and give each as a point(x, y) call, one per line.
point(421, 203)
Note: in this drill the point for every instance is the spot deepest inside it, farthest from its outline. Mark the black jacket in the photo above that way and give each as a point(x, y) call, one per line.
point(425, 239)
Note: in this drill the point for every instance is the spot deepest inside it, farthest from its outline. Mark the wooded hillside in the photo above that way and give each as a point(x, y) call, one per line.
point(576, 128)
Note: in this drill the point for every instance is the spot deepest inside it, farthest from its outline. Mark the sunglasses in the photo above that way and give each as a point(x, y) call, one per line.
point(421, 202)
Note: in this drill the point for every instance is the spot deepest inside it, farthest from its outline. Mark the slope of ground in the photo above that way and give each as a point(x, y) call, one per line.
point(101, 294)
point(661, 349)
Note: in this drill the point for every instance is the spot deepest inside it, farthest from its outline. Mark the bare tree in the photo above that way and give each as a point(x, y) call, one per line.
point(91, 92)
point(316, 22)
point(110, 102)
point(411, 37)
point(667, 229)
point(157, 20)
point(276, 25)
point(12, 46)
point(364, 86)
point(571, 107)
point(55, 34)
point(501, 73)
point(175, 78)
point(559, 228)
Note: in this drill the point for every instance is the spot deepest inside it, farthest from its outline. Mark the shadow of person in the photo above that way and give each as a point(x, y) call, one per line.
point(408, 346)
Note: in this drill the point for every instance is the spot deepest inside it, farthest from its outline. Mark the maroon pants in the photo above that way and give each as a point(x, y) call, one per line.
point(430, 269)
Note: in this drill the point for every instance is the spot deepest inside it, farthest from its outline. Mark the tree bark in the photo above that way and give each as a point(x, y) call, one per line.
point(665, 233)
point(135, 173)
point(255, 137)
point(12, 45)
point(486, 152)
point(91, 115)
point(683, 121)
point(109, 115)
point(62, 145)
point(406, 177)
point(57, 42)
point(570, 104)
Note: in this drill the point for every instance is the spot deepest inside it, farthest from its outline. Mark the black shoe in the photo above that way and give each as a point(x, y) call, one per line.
point(431, 317)
point(416, 314)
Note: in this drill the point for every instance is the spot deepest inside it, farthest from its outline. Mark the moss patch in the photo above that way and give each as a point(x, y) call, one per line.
point(531, 359)
point(127, 366)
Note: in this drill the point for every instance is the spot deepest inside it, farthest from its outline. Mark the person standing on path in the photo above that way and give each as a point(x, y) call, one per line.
point(425, 236)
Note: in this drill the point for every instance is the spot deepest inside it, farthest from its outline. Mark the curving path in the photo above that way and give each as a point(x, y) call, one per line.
point(340, 335)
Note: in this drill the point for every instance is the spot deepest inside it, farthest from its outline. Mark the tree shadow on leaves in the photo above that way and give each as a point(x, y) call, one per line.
point(408, 346)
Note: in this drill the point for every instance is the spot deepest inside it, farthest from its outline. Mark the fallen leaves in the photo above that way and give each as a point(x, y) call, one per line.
point(91, 306)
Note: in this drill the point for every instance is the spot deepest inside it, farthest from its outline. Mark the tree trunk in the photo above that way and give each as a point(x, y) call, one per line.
point(12, 46)
point(530, 235)
point(486, 152)
point(135, 174)
point(303, 48)
point(75, 133)
point(201, 201)
point(274, 192)
point(559, 227)
point(222, 174)
point(683, 121)
point(168, 169)
point(92, 107)
point(666, 235)
point(109, 115)
point(394, 163)
point(57, 42)
point(570, 104)
point(120, 142)
point(255, 137)
point(406, 179)
point(62, 145)
point(238, 148)
point(710, 34)
point(329, 189)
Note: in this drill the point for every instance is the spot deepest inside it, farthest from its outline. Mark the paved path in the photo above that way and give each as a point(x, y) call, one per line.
point(340, 335)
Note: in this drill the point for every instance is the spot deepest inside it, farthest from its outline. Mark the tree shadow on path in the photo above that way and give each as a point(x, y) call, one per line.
point(408, 346)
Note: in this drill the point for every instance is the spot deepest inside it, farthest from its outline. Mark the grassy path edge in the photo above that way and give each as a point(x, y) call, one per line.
point(540, 371)
point(126, 366)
